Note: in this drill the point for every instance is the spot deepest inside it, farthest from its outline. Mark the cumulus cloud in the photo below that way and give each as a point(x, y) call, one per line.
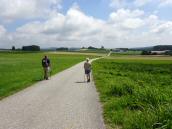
point(116, 3)
point(164, 28)
point(26, 9)
point(124, 27)
point(2, 30)
point(127, 19)
point(74, 25)
point(164, 3)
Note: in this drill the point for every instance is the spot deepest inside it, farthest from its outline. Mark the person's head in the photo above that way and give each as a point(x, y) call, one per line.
point(87, 59)
point(45, 57)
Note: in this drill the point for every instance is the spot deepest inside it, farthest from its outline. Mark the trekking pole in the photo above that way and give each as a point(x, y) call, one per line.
point(50, 72)
point(84, 76)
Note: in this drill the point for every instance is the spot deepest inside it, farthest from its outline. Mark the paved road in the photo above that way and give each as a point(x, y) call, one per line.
point(63, 102)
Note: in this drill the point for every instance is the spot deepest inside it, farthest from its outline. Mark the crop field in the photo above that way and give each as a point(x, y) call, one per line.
point(140, 57)
point(136, 94)
point(126, 53)
point(20, 70)
point(98, 54)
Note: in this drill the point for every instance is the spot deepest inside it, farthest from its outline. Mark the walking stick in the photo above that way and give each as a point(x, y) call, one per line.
point(84, 76)
point(49, 70)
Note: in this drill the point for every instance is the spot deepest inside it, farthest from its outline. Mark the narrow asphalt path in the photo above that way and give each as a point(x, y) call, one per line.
point(63, 102)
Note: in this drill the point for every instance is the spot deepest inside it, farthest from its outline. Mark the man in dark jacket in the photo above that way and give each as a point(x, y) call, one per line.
point(46, 66)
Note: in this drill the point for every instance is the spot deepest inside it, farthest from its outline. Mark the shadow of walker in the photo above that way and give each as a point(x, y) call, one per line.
point(81, 82)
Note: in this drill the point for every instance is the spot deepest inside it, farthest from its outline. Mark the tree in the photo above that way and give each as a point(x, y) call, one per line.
point(102, 47)
point(31, 48)
point(146, 52)
point(162, 47)
point(13, 48)
point(90, 47)
point(168, 53)
point(62, 49)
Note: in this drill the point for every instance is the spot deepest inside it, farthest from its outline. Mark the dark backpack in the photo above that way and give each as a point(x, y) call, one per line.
point(45, 62)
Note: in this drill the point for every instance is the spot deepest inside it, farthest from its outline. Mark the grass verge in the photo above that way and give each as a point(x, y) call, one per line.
point(136, 94)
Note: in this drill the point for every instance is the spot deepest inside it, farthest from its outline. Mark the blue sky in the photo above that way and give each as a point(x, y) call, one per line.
point(76, 23)
point(96, 8)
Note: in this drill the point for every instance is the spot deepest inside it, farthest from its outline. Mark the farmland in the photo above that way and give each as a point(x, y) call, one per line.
point(136, 92)
point(19, 70)
point(127, 53)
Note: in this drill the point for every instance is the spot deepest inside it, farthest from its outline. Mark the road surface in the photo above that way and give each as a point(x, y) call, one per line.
point(63, 102)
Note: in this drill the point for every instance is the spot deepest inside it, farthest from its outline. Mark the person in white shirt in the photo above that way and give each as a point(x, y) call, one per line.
point(87, 67)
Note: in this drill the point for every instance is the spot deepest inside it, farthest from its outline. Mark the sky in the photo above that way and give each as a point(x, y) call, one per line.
point(78, 23)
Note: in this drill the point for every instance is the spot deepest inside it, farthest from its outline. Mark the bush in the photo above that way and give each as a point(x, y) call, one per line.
point(146, 52)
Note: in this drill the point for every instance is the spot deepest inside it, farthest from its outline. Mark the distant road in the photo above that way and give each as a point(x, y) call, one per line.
point(109, 53)
point(63, 102)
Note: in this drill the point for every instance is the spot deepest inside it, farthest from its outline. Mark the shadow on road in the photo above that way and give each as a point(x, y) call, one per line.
point(81, 82)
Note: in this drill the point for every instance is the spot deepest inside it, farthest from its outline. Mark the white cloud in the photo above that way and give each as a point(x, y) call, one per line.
point(164, 28)
point(25, 9)
point(133, 23)
point(165, 3)
point(122, 14)
point(2, 30)
point(124, 28)
point(75, 23)
point(141, 2)
point(116, 3)
point(127, 19)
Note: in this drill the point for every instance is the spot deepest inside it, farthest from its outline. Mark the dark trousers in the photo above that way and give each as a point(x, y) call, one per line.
point(45, 72)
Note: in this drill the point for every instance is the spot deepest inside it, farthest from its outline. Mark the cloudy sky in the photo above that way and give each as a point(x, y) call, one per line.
point(77, 23)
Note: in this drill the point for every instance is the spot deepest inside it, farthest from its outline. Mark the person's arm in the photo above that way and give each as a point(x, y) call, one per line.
point(42, 63)
point(49, 63)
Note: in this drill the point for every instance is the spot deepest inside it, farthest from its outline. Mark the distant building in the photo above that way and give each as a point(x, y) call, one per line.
point(119, 50)
point(159, 52)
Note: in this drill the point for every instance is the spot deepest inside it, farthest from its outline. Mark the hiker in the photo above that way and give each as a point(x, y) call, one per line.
point(87, 67)
point(46, 66)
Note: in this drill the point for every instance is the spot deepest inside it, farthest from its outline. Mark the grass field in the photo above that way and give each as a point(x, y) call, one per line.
point(81, 53)
point(127, 53)
point(136, 93)
point(141, 57)
point(20, 70)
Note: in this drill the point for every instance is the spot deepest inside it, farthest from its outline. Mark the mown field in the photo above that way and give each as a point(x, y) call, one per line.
point(126, 53)
point(135, 93)
point(20, 70)
point(140, 57)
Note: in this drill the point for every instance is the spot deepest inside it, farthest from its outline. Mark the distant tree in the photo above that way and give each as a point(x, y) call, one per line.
point(102, 47)
point(83, 47)
point(62, 49)
point(90, 47)
point(168, 53)
point(31, 48)
point(162, 47)
point(13, 48)
point(146, 52)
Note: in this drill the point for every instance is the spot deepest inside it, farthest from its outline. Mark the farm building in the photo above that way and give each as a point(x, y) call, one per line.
point(119, 50)
point(159, 52)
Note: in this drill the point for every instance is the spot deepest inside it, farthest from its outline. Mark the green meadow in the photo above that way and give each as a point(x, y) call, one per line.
point(19, 70)
point(136, 93)
point(127, 53)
